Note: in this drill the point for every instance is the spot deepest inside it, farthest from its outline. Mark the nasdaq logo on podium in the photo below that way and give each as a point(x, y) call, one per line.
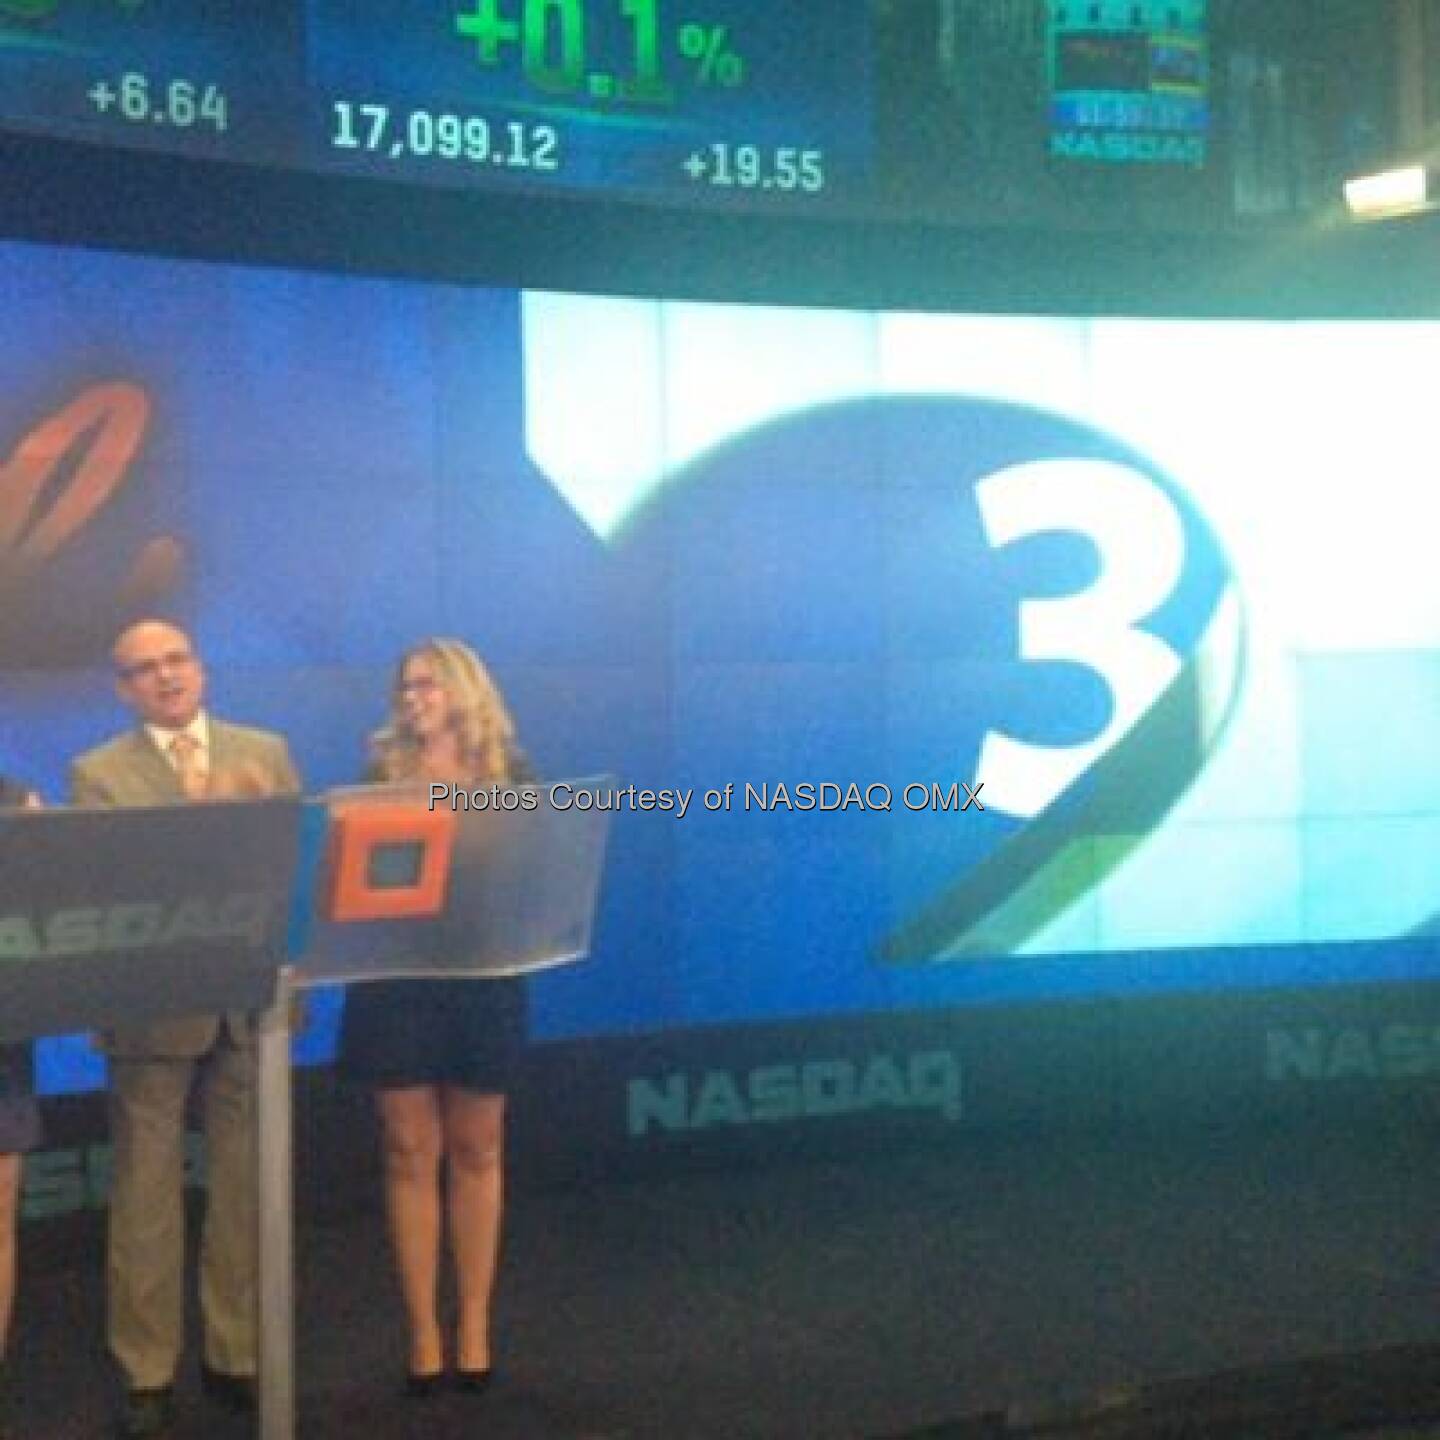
point(98, 930)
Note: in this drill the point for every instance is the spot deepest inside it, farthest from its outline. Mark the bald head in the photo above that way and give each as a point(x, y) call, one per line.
point(157, 673)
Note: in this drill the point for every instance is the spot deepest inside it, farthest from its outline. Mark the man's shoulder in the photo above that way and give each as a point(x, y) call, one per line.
point(116, 751)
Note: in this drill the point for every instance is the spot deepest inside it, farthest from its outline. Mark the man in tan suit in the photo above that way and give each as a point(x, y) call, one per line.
point(176, 754)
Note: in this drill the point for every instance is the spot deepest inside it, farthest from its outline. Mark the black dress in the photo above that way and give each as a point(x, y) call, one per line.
point(19, 1115)
point(468, 1033)
point(463, 1032)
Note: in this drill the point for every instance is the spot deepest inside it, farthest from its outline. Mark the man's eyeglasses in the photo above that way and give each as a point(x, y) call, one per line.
point(148, 669)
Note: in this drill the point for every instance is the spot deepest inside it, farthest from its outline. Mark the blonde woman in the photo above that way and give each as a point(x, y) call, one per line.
point(440, 1054)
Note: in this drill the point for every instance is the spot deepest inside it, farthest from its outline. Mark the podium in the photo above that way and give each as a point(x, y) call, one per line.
point(139, 915)
point(122, 916)
point(511, 886)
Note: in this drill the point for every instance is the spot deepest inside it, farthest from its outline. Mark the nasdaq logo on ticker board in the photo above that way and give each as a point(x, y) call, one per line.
point(1053, 617)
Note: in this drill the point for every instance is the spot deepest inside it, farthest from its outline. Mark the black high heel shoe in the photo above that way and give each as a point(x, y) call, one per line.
point(474, 1382)
point(424, 1387)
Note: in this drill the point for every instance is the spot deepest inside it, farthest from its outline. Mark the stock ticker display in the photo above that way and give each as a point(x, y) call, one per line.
point(643, 97)
point(733, 103)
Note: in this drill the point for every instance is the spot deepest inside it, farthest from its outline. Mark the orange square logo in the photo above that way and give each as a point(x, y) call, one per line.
point(388, 861)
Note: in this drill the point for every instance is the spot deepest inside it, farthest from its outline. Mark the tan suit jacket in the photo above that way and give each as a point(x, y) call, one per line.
point(131, 770)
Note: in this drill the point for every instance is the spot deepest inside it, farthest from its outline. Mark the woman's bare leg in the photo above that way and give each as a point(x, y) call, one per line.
point(475, 1146)
point(411, 1140)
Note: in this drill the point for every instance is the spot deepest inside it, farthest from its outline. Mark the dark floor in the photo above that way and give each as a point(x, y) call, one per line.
point(877, 1297)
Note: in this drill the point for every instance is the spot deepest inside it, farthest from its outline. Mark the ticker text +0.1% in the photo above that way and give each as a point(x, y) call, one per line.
point(551, 40)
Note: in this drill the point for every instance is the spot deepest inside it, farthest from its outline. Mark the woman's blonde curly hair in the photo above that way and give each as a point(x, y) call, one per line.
point(483, 727)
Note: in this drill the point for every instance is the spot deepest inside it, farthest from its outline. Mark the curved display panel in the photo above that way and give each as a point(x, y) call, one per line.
point(943, 660)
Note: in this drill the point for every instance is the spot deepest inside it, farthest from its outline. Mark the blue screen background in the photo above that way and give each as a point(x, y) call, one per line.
point(1162, 589)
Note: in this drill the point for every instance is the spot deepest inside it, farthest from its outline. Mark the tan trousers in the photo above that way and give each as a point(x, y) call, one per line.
point(145, 1264)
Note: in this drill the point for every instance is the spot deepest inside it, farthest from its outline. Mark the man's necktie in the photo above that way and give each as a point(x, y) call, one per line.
point(185, 751)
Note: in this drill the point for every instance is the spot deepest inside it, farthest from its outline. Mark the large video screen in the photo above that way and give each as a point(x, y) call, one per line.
point(941, 660)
